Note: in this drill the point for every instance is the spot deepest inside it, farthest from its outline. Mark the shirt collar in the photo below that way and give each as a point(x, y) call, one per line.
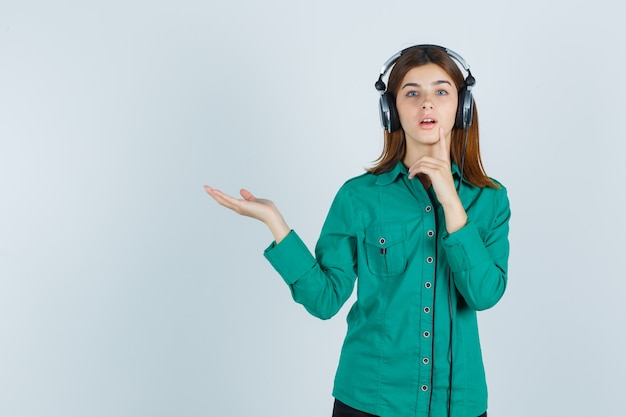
point(388, 177)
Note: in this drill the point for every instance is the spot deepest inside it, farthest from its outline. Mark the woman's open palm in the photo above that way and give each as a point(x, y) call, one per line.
point(257, 208)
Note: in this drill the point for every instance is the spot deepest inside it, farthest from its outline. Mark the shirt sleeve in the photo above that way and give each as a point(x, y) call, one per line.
point(479, 264)
point(323, 283)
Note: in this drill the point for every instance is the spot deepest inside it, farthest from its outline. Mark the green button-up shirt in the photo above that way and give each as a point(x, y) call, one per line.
point(412, 345)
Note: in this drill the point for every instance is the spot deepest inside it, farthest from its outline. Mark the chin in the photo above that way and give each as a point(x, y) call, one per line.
point(424, 138)
point(429, 140)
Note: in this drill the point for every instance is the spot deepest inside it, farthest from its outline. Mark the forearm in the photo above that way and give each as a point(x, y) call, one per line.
point(321, 290)
point(278, 226)
point(481, 286)
point(479, 271)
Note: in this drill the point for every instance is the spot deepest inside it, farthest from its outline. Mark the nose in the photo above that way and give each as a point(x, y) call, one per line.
point(427, 103)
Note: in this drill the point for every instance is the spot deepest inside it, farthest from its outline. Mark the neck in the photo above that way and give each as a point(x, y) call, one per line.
point(413, 153)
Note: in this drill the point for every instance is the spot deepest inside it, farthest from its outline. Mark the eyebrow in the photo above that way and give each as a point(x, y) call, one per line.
point(419, 85)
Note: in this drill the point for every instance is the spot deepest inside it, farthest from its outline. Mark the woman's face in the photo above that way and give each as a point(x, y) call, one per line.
point(427, 100)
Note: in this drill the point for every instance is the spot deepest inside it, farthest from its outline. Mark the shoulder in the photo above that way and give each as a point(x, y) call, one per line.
point(364, 180)
point(357, 188)
point(498, 190)
point(501, 192)
point(499, 184)
point(491, 196)
point(498, 196)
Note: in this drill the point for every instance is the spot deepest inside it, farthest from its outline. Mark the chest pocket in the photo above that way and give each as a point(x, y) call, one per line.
point(385, 251)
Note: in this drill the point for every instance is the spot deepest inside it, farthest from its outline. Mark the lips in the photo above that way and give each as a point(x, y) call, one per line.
point(428, 121)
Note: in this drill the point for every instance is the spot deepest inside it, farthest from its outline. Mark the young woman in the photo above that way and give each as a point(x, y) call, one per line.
point(426, 233)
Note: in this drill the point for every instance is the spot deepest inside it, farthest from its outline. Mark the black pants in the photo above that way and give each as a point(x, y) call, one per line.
point(342, 410)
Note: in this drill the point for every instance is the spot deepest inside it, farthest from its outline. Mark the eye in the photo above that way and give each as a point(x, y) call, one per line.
point(412, 94)
point(442, 92)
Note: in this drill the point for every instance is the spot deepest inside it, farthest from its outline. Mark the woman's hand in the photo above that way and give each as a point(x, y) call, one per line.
point(250, 206)
point(257, 208)
point(438, 170)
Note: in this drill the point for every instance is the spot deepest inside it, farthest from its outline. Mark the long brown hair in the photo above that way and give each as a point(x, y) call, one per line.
point(394, 148)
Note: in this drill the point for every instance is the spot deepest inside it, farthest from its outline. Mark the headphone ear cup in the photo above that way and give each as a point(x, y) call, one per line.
point(469, 116)
point(383, 111)
point(464, 110)
point(392, 120)
point(458, 122)
point(388, 114)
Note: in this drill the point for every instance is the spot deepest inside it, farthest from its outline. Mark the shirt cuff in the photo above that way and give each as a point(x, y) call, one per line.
point(290, 258)
point(465, 248)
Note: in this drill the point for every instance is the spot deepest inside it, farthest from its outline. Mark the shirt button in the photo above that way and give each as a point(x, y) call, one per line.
point(428, 285)
point(426, 310)
point(430, 259)
point(425, 361)
point(427, 334)
point(382, 240)
point(430, 233)
point(424, 388)
point(428, 208)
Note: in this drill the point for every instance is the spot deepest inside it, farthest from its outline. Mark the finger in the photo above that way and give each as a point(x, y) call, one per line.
point(444, 148)
point(423, 165)
point(247, 195)
point(213, 192)
point(416, 168)
point(221, 198)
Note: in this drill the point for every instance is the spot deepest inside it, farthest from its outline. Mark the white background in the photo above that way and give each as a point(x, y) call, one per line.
point(126, 291)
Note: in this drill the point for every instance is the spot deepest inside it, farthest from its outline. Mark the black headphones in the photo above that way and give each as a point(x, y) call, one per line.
point(389, 115)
